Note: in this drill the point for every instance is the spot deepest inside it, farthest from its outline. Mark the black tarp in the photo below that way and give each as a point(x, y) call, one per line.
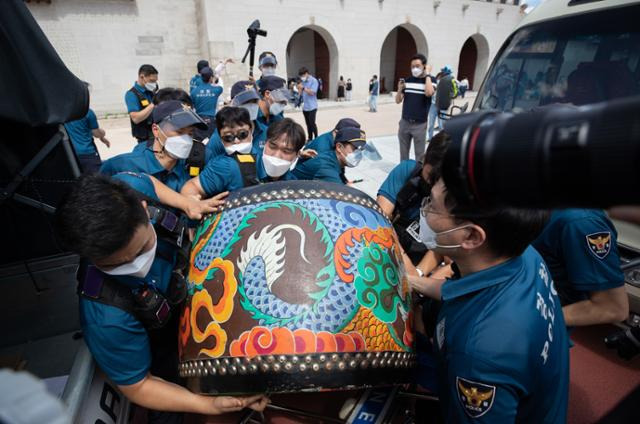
point(37, 94)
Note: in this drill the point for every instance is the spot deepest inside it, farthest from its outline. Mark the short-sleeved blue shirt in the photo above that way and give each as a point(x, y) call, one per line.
point(117, 340)
point(322, 143)
point(205, 99)
point(222, 173)
point(579, 245)
point(80, 133)
point(310, 100)
point(195, 81)
point(133, 104)
point(216, 148)
point(502, 346)
point(143, 160)
point(324, 167)
point(394, 182)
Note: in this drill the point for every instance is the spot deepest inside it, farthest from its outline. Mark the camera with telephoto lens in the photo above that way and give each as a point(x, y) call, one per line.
point(254, 30)
point(551, 156)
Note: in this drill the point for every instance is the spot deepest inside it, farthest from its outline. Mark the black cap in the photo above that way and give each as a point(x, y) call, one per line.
point(177, 114)
point(271, 83)
point(202, 64)
point(244, 91)
point(351, 135)
point(347, 122)
point(206, 73)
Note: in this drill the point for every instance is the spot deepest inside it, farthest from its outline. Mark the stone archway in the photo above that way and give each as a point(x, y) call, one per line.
point(313, 47)
point(398, 47)
point(474, 60)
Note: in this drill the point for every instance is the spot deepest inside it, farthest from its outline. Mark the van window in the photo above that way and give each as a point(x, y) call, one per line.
point(579, 60)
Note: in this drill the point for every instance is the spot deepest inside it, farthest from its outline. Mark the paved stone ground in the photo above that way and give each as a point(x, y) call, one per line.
point(381, 128)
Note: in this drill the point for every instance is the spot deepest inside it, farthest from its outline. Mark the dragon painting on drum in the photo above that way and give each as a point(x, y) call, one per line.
point(295, 286)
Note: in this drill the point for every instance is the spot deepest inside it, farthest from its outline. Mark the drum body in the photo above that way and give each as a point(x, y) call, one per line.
point(295, 286)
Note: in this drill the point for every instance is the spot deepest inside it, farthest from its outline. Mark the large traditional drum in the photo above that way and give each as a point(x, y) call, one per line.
point(296, 286)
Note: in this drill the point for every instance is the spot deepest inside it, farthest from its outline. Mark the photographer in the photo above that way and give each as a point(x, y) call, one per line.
point(580, 248)
point(128, 275)
point(501, 342)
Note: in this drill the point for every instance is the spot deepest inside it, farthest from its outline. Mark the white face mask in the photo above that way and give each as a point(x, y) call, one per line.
point(151, 86)
point(268, 71)
point(252, 108)
point(178, 146)
point(242, 148)
point(353, 158)
point(428, 236)
point(304, 78)
point(276, 109)
point(416, 71)
point(274, 166)
point(140, 266)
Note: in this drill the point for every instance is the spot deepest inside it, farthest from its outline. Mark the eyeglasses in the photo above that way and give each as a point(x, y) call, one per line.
point(230, 138)
point(426, 207)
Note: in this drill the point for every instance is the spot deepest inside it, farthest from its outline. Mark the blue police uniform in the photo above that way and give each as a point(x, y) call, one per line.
point(322, 143)
point(223, 173)
point(80, 133)
point(205, 99)
point(394, 182)
point(133, 104)
point(502, 346)
point(81, 136)
point(117, 340)
point(579, 245)
point(195, 81)
point(143, 160)
point(216, 148)
point(324, 167)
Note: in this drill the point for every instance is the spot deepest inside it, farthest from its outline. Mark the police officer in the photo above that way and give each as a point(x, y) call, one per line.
point(326, 141)
point(244, 95)
point(500, 339)
point(81, 133)
point(196, 80)
point(139, 103)
point(242, 166)
point(273, 99)
point(172, 131)
point(579, 245)
point(130, 294)
point(400, 195)
point(350, 144)
point(205, 98)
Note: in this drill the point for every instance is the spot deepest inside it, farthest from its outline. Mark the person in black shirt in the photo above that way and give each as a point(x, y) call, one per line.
point(415, 95)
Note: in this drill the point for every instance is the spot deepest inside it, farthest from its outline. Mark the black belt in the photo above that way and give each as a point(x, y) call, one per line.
point(414, 121)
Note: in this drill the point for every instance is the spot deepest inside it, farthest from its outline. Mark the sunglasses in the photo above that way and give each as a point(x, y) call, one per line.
point(240, 135)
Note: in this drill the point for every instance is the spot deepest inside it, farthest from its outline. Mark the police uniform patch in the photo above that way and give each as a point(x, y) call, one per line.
point(476, 398)
point(599, 244)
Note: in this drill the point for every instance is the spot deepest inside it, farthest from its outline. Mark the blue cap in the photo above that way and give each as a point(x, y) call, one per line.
point(351, 135)
point(243, 92)
point(267, 58)
point(177, 114)
point(271, 83)
point(347, 122)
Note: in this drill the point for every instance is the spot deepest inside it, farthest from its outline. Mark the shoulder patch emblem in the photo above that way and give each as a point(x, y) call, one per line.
point(476, 398)
point(599, 244)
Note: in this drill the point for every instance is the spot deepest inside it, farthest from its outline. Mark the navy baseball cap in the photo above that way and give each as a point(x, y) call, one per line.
point(271, 83)
point(267, 58)
point(177, 114)
point(243, 92)
point(351, 135)
point(202, 64)
point(206, 72)
point(347, 122)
